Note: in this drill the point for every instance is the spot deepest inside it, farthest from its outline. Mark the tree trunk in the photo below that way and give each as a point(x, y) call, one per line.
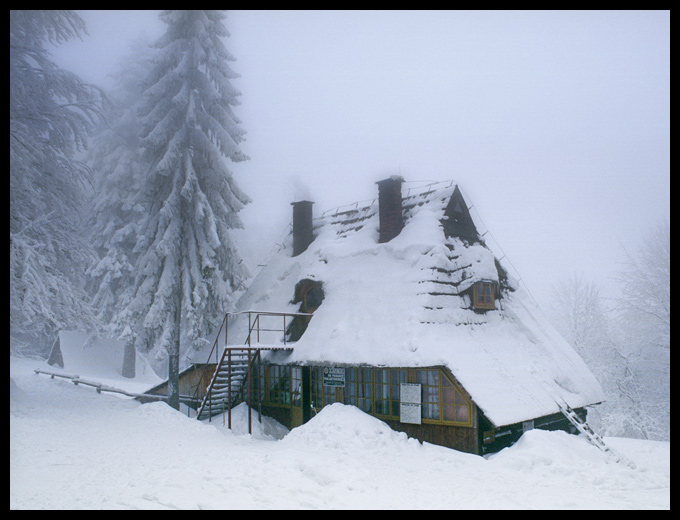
point(173, 369)
point(129, 360)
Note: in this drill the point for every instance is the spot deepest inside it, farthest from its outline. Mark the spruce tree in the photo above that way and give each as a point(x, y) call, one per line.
point(116, 161)
point(187, 266)
point(51, 113)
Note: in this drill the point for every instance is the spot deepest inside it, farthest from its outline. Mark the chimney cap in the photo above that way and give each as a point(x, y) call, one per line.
point(392, 178)
point(301, 202)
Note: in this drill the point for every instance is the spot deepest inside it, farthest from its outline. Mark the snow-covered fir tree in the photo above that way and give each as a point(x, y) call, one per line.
point(188, 268)
point(51, 112)
point(116, 161)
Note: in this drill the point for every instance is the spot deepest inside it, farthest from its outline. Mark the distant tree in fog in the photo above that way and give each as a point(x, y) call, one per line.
point(51, 112)
point(628, 345)
point(118, 166)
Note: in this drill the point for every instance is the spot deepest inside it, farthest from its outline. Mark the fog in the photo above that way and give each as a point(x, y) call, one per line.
point(556, 124)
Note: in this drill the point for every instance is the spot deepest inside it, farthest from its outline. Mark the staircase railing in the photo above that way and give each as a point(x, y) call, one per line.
point(256, 328)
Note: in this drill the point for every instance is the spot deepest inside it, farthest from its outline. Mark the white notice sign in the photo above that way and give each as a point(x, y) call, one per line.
point(410, 403)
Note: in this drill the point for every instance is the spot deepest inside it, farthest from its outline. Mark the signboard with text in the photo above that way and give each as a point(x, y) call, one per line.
point(410, 403)
point(334, 376)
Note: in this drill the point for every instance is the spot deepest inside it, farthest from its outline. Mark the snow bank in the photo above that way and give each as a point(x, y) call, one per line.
point(268, 428)
point(347, 428)
point(71, 448)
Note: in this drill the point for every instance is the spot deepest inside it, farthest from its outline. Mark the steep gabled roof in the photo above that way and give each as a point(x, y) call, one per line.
point(406, 303)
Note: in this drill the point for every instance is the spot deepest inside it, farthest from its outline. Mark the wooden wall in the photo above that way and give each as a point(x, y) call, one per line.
point(188, 381)
point(456, 437)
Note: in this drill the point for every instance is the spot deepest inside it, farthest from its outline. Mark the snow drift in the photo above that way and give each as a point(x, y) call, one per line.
point(71, 448)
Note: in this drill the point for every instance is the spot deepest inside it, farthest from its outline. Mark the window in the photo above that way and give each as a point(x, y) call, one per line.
point(429, 381)
point(296, 393)
point(483, 295)
point(278, 384)
point(321, 395)
point(386, 384)
point(442, 401)
point(365, 389)
point(373, 390)
point(359, 388)
point(351, 386)
point(454, 405)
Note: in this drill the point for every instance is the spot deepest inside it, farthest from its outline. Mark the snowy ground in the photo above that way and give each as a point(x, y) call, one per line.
point(71, 448)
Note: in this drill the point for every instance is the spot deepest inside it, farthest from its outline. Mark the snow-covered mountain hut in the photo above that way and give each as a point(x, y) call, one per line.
point(411, 318)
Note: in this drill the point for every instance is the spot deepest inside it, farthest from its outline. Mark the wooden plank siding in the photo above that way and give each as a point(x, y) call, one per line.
point(463, 436)
point(189, 380)
point(455, 437)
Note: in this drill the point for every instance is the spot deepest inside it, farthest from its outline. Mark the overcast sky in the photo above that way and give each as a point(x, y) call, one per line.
point(556, 125)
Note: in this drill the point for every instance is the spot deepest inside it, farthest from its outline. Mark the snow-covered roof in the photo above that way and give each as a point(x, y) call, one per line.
point(406, 303)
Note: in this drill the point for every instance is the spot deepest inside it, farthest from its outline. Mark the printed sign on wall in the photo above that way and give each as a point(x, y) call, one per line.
point(409, 403)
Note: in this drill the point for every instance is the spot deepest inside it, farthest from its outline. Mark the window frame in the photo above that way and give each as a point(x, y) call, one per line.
point(428, 391)
point(484, 295)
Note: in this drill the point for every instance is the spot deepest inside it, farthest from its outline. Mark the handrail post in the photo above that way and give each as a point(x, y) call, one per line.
point(210, 400)
point(258, 389)
point(250, 394)
point(229, 385)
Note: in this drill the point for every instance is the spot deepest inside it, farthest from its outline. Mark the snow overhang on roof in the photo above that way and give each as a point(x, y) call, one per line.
point(406, 303)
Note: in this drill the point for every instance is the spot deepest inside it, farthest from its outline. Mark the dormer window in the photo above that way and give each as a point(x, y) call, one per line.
point(483, 296)
point(309, 294)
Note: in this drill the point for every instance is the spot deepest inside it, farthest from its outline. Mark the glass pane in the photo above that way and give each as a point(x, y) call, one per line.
point(297, 395)
point(449, 394)
point(449, 412)
point(395, 408)
point(430, 411)
point(398, 377)
point(462, 413)
point(394, 394)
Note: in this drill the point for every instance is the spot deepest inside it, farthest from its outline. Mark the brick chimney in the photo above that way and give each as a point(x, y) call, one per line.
point(303, 231)
point(389, 208)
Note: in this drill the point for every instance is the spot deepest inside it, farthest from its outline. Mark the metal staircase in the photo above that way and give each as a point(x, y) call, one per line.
point(232, 381)
point(227, 385)
point(592, 437)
